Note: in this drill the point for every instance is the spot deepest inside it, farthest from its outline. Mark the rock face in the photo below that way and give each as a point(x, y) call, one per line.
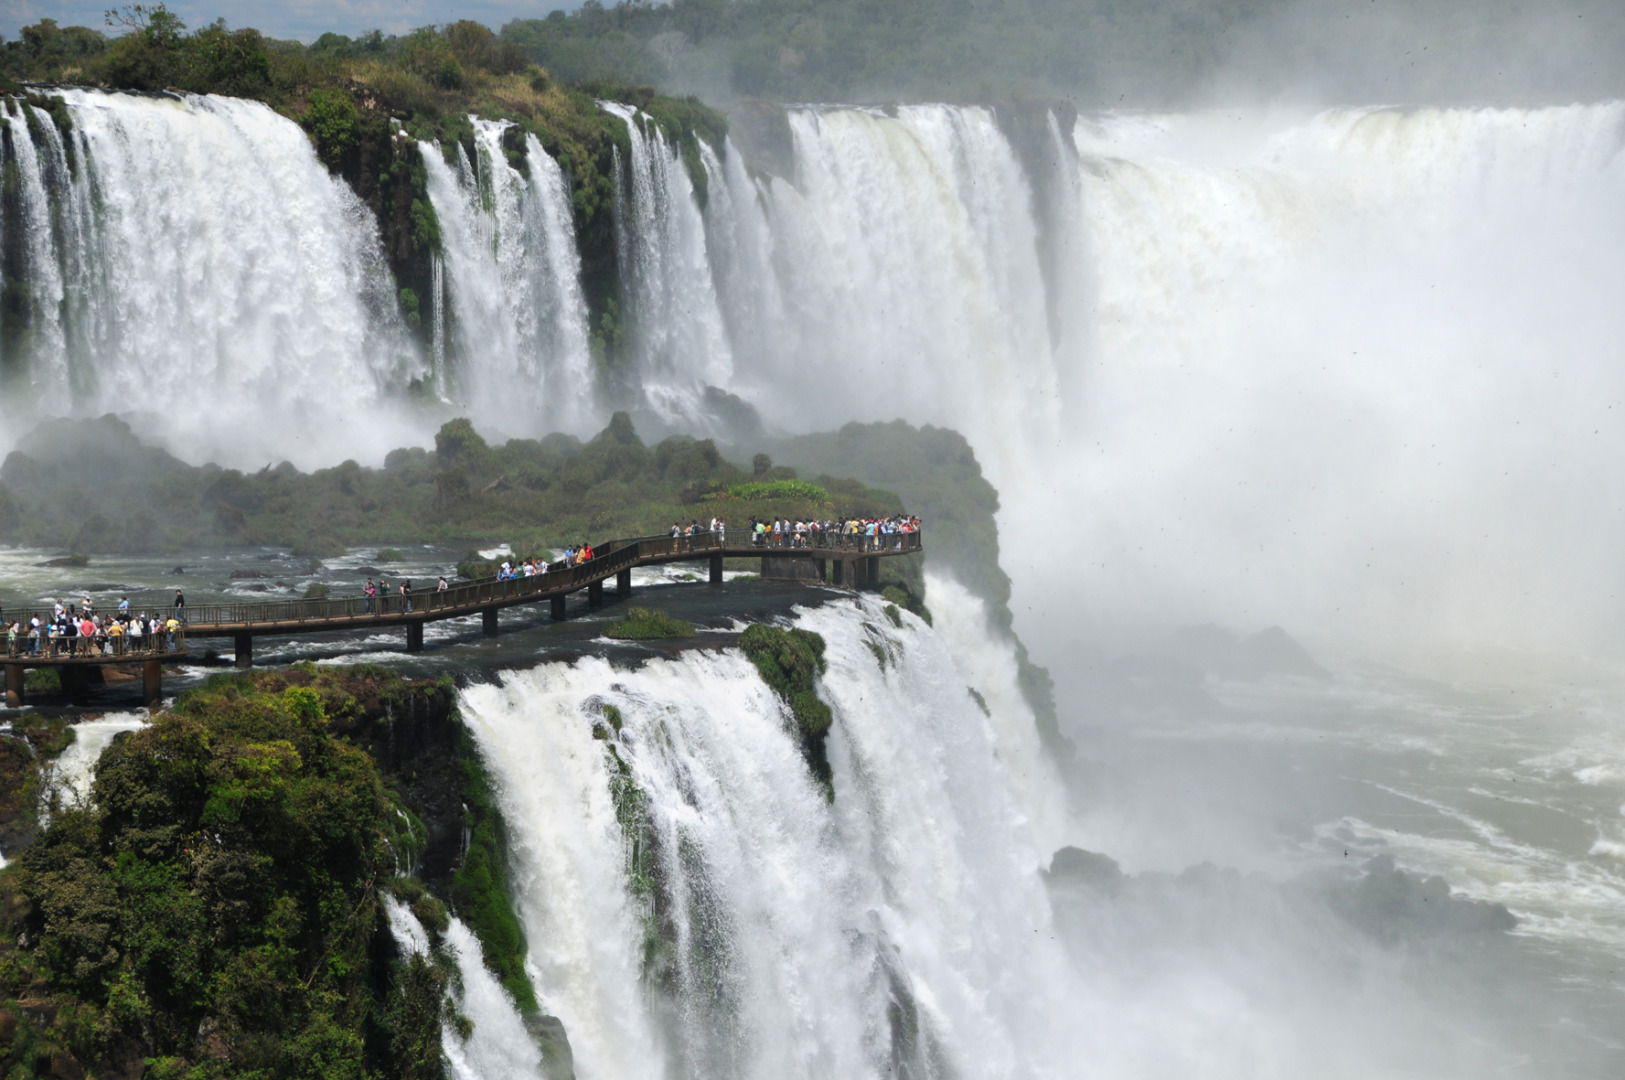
point(549, 1033)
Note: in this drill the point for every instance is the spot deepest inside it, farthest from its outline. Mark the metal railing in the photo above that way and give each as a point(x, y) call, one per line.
point(100, 646)
point(608, 558)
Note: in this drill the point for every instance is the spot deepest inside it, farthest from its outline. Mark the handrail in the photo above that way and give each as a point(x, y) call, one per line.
point(103, 646)
point(608, 558)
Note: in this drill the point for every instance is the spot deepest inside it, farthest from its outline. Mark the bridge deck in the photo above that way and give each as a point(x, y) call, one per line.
point(488, 594)
point(856, 560)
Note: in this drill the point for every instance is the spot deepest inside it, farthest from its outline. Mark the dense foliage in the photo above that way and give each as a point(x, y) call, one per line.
point(215, 912)
point(646, 624)
point(789, 661)
point(532, 493)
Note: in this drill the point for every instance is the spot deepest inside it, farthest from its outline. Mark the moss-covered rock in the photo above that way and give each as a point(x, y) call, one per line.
point(789, 662)
point(643, 624)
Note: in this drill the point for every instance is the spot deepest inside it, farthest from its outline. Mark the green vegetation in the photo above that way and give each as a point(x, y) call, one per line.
point(538, 495)
point(642, 624)
point(788, 661)
point(897, 596)
point(390, 555)
point(33, 741)
point(316, 590)
point(480, 890)
point(773, 489)
point(215, 912)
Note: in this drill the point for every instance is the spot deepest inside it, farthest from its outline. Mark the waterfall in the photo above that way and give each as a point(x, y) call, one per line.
point(1226, 335)
point(512, 277)
point(198, 268)
point(906, 254)
point(678, 342)
point(499, 1047)
point(696, 908)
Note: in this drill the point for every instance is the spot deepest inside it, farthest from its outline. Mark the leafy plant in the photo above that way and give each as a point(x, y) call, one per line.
point(642, 624)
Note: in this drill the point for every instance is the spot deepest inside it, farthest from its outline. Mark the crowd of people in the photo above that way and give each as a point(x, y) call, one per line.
point(785, 532)
point(81, 631)
point(574, 555)
point(870, 533)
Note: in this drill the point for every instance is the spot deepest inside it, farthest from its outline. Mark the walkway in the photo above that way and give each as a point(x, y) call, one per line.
point(842, 559)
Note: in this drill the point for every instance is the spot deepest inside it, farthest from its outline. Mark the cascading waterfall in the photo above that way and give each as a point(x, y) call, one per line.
point(196, 266)
point(677, 337)
point(696, 908)
point(905, 253)
point(499, 1047)
point(512, 276)
point(1128, 314)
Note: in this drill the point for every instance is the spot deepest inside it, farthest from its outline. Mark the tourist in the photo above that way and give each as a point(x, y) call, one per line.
point(124, 608)
point(444, 584)
point(171, 628)
point(371, 593)
point(406, 595)
point(180, 607)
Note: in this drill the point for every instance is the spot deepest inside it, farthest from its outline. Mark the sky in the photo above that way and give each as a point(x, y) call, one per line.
point(302, 19)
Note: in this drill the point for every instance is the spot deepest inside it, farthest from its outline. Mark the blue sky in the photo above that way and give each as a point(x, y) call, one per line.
point(302, 19)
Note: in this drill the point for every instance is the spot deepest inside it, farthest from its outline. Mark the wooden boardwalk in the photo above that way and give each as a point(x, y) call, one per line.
point(849, 560)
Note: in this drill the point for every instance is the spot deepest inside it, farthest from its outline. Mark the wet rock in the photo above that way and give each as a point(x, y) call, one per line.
point(1089, 869)
point(550, 1036)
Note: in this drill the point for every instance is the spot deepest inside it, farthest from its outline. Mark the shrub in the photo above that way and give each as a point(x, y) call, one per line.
point(390, 555)
point(332, 122)
point(642, 624)
point(773, 489)
point(788, 660)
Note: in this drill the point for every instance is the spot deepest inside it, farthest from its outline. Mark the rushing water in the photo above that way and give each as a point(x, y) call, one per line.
point(787, 936)
point(1353, 372)
point(513, 279)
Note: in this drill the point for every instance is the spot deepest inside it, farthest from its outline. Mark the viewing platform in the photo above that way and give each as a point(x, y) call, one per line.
point(849, 560)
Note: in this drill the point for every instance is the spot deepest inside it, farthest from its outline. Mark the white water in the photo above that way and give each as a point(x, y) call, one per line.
point(793, 921)
point(209, 276)
point(676, 333)
point(499, 1048)
point(71, 775)
point(1346, 371)
point(513, 278)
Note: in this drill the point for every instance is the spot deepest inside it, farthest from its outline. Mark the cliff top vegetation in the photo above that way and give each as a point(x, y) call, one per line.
point(214, 911)
point(109, 492)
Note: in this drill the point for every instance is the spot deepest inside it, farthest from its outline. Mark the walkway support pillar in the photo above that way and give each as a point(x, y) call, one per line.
point(488, 621)
point(840, 572)
point(414, 637)
point(152, 683)
point(558, 608)
point(595, 593)
point(716, 569)
point(73, 682)
point(245, 650)
point(823, 569)
point(623, 582)
point(14, 686)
